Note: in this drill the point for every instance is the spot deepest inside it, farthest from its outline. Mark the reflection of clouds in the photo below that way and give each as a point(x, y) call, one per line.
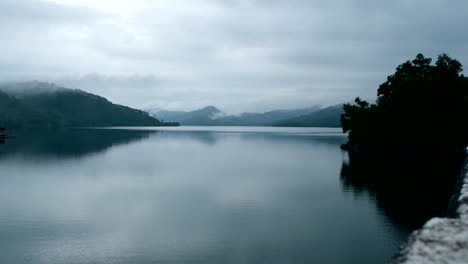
point(210, 135)
point(171, 197)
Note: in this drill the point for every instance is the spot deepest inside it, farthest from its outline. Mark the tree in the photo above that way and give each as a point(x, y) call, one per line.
point(419, 106)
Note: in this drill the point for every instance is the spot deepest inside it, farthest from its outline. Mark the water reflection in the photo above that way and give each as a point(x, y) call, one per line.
point(213, 137)
point(408, 189)
point(66, 143)
point(184, 197)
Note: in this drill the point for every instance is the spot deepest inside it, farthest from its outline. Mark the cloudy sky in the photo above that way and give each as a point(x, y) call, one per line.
point(240, 55)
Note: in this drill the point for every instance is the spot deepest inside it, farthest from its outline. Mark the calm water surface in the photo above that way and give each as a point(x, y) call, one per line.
point(186, 195)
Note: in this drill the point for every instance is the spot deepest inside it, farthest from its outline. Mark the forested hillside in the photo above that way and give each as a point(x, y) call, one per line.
point(45, 104)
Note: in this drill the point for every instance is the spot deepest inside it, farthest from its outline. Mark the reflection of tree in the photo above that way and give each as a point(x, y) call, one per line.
point(63, 143)
point(407, 189)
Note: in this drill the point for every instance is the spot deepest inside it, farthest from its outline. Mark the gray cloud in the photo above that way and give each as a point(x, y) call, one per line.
point(241, 55)
point(37, 11)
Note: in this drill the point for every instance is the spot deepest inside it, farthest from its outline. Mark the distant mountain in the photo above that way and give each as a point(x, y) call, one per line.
point(163, 115)
point(327, 117)
point(212, 116)
point(268, 118)
point(46, 104)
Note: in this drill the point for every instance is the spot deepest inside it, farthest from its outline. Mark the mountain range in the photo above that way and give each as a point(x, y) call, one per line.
point(45, 104)
point(326, 117)
point(212, 116)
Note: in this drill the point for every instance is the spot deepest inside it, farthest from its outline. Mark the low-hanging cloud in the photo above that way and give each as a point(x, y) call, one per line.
point(241, 55)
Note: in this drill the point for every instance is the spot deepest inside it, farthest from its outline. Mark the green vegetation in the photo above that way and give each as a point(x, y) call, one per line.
point(47, 105)
point(420, 107)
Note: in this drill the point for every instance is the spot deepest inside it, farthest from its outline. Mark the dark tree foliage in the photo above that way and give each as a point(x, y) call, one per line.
point(420, 107)
point(407, 148)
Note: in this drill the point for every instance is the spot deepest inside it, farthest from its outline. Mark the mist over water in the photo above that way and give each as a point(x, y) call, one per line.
point(185, 195)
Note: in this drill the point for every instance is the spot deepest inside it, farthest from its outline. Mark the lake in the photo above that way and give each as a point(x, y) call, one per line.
point(187, 195)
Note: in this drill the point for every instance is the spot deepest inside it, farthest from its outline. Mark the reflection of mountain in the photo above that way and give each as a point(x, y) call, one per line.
point(204, 137)
point(61, 143)
point(313, 140)
point(212, 137)
point(79, 142)
point(408, 189)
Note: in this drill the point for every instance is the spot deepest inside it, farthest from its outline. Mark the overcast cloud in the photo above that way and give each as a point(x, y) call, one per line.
point(240, 55)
